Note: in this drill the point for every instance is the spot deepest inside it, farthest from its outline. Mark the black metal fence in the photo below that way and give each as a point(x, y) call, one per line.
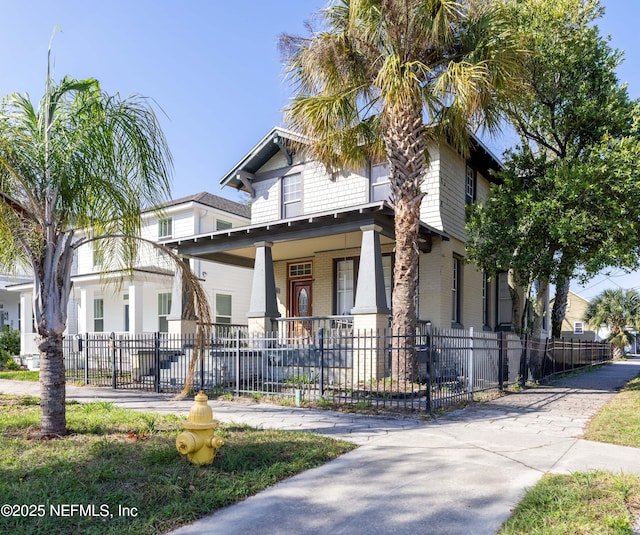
point(331, 364)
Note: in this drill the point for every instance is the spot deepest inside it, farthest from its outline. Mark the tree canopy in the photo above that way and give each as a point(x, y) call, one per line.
point(619, 310)
point(568, 201)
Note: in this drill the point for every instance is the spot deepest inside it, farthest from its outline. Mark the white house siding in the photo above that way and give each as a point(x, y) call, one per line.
point(227, 280)
point(266, 203)
point(430, 207)
point(452, 206)
point(431, 290)
point(321, 193)
point(435, 302)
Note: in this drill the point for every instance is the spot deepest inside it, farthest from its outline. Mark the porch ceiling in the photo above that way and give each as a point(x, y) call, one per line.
point(297, 237)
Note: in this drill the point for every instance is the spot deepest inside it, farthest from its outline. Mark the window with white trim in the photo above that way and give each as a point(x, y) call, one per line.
point(164, 309)
point(221, 224)
point(223, 308)
point(165, 227)
point(292, 195)
point(456, 291)
point(346, 276)
point(470, 186)
point(345, 285)
point(301, 269)
point(380, 184)
point(505, 311)
point(98, 315)
point(578, 327)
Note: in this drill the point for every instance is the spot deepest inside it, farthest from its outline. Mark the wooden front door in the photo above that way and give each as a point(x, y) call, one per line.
point(300, 305)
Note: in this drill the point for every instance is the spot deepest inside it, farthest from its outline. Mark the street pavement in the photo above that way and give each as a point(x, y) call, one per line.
point(460, 473)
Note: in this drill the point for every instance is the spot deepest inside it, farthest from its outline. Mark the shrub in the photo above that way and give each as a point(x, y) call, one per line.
point(10, 341)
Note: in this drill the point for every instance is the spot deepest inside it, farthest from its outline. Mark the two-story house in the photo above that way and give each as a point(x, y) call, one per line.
point(144, 301)
point(323, 244)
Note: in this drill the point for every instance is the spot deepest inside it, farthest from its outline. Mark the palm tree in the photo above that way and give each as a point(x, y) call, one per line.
point(618, 309)
point(384, 79)
point(81, 160)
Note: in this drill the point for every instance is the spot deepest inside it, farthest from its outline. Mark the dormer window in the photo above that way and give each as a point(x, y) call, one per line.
point(292, 195)
point(380, 185)
point(221, 224)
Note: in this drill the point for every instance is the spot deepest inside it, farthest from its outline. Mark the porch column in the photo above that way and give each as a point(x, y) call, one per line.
point(263, 307)
point(85, 311)
point(136, 310)
point(182, 318)
point(27, 336)
point(371, 312)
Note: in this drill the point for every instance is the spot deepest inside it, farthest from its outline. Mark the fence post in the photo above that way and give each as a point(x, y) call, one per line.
point(501, 360)
point(524, 361)
point(321, 349)
point(112, 347)
point(156, 360)
point(237, 366)
point(429, 368)
point(86, 359)
point(470, 365)
point(192, 340)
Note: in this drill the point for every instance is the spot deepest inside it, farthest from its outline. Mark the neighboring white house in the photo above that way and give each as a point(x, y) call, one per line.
point(113, 301)
point(10, 301)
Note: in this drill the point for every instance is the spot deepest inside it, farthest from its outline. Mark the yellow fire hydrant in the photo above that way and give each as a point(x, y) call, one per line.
point(198, 443)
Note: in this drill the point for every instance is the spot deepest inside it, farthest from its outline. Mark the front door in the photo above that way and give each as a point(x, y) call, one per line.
point(300, 306)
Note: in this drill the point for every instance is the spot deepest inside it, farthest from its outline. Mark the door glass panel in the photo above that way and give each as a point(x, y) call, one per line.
point(303, 302)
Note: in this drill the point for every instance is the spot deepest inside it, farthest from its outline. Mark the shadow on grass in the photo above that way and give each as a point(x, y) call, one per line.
point(122, 485)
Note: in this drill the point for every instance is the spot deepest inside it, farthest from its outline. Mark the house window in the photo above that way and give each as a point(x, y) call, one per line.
point(165, 228)
point(485, 301)
point(345, 286)
point(223, 308)
point(578, 327)
point(98, 315)
point(302, 269)
point(380, 185)
point(292, 195)
point(505, 312)
point(456, 290)
point(221, 224)
point(164, 309)
point(387, 270)
point(470, 186)
point(346, 275)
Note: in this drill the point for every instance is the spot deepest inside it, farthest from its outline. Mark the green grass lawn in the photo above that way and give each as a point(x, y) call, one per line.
point(20, 375)
point(588, 503)
point(122, 468)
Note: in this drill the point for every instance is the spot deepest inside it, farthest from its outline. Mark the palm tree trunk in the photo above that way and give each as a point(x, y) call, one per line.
point(407, 154)
point(52, 386)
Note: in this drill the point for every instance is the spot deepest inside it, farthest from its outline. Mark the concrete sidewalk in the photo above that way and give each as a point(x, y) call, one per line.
point(461, 473)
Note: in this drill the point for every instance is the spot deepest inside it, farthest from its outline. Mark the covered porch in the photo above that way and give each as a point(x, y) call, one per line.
point(336, 263)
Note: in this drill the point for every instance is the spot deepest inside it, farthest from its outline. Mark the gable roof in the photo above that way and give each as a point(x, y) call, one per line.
point(275, 140)
point(280, 139)
point(213, 201)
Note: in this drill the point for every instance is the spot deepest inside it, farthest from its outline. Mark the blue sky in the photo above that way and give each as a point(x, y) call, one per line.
point(212, 66)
